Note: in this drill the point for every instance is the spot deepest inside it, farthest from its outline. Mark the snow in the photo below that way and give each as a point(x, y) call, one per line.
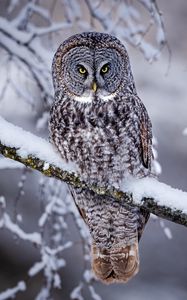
point(43, 294)
point(2, 201)
point(48, 211)
point(54, 27)
point(88, 275)
point(46, 166)
point(7, 223)
point(76, 293)
point(163, 194)
point(40, 10)
point(19, 218)
point(57, 281)
point(7, 27)
point(10, 293)
point(50, 264)
point(12, 6)
point(157, 167)
point(160, 36)
point(30, 7)
point(7, 163)
point(93, 293)
point(168, 233)
point(36, 268)
point(166, 230)
point(42, 122)
point(50, 261)
point(185, 131)
point(29, 144)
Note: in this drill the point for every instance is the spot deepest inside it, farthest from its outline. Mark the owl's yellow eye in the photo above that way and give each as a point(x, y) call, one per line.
point(82, 70)
point(105, 69)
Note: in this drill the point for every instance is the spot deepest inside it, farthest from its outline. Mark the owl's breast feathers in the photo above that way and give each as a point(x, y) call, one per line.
point(108, 141)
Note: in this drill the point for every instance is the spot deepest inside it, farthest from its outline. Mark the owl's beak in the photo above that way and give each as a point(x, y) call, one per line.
point(94, 86)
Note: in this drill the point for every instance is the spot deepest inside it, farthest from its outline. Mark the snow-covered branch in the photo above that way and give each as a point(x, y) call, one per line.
point(37, 153)
point(11, 292)
point(124, 21)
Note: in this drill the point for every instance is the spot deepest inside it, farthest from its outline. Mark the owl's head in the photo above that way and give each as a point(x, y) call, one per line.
point(90, 64)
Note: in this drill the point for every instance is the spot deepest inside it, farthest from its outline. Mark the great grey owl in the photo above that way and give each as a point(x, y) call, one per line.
point(98, 122)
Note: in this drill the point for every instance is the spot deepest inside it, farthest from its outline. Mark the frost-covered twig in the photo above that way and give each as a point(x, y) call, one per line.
point(149, 194)
point(22, 38)
point(11, 292)
point(124, 20)
point(6, 222)
point(51, 260)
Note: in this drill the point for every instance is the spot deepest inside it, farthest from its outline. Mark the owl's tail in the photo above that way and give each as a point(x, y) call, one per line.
point(117, 264)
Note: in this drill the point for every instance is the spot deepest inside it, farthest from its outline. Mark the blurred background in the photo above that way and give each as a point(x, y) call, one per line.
point(155, 36)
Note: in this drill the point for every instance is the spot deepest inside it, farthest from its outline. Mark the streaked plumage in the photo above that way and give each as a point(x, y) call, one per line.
point(107, 133)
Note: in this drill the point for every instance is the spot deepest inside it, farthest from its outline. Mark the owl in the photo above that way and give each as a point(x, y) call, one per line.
point(98, 122)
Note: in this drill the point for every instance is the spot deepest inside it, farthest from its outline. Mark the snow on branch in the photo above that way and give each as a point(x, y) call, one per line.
point(125, 21)
point(147, 193)
point(11, 292)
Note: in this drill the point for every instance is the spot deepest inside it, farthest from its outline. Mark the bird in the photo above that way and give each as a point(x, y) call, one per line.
point(98, 122)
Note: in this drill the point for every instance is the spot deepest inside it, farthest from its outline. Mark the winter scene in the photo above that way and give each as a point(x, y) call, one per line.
point(93, 139)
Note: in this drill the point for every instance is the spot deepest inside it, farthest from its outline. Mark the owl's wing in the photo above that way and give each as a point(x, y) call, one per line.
point(143, 218)
point(147, 155)
point(146, 141)
point(74, 193)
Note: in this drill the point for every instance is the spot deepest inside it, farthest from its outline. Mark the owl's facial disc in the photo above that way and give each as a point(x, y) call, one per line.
point(90, 74)
point(96, 82)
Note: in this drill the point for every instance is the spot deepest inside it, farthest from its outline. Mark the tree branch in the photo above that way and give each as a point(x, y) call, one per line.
point(147, 193)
